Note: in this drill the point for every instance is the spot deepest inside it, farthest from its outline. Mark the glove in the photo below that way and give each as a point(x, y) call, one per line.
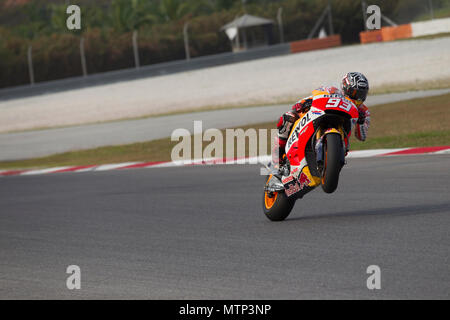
point(362, 117)
point(301, 107)
point(306, 105)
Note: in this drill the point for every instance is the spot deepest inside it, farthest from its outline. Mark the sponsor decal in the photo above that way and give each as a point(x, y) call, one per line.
point(304, 180)
point(294, 171)
point(335, 95)
point(287, 180)
point(294, 136)
point(293, 186)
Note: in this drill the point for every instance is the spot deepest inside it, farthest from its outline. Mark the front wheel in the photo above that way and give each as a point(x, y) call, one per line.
point(276, 205)
point(332, 162)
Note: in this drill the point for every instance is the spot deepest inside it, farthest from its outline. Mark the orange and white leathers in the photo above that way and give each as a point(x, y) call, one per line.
point(287, 120)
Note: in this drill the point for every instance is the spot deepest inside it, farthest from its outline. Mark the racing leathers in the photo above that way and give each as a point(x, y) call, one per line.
point(288, 119)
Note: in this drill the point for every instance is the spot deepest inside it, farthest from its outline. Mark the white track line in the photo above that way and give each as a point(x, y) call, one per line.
point(207, 161)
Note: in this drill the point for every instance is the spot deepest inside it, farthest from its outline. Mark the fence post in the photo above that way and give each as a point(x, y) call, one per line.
point(186, 41)
point(319, 22)
point(363, 5)
point(280, 24)
point(430, 4)
point(238, 42)
point(30, 64)
point(136, 50)
point(330, 19)
point(83, 57)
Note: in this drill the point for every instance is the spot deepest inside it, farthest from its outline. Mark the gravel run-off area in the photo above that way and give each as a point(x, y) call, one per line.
point(259, 81)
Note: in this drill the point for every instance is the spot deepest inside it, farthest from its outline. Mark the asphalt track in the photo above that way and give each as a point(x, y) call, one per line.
point(31, 144)
point(199, 233)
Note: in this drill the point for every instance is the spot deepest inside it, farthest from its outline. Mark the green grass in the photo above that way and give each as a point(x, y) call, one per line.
point(438, 14)
point(156, 150)
point(417, 85)
point(413, 123)
point(419, 139)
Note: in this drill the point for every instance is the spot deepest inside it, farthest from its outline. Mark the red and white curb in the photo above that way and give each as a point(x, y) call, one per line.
point(214, 161)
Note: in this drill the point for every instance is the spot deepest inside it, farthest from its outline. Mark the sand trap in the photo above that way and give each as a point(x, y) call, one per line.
point(265, 80)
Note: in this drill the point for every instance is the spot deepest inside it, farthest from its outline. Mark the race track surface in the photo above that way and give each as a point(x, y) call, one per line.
point(199, 233)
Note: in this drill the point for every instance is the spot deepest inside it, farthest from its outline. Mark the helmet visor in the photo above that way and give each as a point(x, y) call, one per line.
point(359, 94)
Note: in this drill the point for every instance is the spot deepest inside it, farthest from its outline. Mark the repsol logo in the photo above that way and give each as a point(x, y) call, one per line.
point(306, 118)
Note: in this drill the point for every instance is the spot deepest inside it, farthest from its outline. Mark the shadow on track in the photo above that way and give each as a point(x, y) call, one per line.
point(392, 211)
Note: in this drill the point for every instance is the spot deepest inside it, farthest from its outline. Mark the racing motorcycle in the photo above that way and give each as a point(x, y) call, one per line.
point(315, 154)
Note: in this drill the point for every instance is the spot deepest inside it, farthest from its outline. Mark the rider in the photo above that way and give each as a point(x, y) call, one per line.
point(354, 87)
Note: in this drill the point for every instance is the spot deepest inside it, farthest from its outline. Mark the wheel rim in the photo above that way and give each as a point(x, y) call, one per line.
point(269, 201)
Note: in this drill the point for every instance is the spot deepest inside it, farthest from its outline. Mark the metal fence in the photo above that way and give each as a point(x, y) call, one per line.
point(144, 71)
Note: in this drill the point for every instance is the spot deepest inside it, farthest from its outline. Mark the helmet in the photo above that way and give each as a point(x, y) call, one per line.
point(355, 86)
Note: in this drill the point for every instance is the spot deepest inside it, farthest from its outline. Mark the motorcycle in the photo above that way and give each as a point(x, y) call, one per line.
point(315, 154)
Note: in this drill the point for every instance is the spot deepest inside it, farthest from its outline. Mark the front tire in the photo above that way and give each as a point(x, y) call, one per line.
point(276, 206)
point(332, 162)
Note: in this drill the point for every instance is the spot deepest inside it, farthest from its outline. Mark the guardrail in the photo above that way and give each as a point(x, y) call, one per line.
point(316, 44)
point(144, 71)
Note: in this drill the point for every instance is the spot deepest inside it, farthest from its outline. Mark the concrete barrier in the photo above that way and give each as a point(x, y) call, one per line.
point(386, 34)
point(316, 44)
point(426, 28)
point(404, 31)
point(371, 36)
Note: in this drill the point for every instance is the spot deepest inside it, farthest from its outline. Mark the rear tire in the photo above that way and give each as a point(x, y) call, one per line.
point(332, 162)
point(278, 207)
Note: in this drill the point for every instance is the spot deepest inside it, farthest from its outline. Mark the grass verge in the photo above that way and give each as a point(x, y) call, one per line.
point(420, 122)
point(417, 85)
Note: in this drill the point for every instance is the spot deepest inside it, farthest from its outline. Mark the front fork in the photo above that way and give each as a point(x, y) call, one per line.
point(320, 141)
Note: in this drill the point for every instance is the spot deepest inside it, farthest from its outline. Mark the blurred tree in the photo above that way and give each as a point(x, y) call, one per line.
point(128, 15)
point(225, 4)
point(94, 16)
point(174, 10)
point(58, 18)
point(107, 26)
point(38, 17)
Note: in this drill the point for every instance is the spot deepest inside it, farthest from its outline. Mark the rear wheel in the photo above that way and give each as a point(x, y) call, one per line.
point(332, 162)
point(276, 205)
